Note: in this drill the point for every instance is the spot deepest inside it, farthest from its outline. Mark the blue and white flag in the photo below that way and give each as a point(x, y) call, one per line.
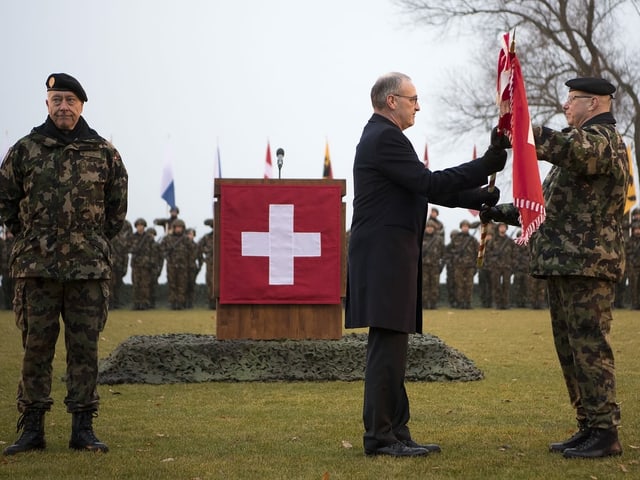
point(167, 188)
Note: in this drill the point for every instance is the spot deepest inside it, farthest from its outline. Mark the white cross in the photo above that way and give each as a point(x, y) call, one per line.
point(281, 244)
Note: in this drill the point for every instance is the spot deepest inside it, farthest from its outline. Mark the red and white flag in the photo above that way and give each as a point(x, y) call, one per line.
point(280, 244)
point(516, 123)
point(268, 166)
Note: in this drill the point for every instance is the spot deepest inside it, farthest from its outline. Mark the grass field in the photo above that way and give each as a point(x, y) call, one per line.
point(497, 428)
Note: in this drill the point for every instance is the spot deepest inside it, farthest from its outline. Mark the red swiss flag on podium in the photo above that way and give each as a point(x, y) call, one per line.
point(280, 244)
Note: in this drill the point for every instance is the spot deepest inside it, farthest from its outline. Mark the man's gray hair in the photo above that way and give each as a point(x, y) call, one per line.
point(386, 85)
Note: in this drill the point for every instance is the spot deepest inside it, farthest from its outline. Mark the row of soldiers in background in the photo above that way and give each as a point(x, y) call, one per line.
point(504, 260)
point(183, 255)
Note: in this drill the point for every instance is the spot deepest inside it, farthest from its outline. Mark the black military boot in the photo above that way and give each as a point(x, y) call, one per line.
point(82, 436)
point(576, 439)
point(602, 442)
point(31, 423)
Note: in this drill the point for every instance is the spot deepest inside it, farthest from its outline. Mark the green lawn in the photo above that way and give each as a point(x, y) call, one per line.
point(497, 428)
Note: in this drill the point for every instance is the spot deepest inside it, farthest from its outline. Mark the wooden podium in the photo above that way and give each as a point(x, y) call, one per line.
point(278, 320)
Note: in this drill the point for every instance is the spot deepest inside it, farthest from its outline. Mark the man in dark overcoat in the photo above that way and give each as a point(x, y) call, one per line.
point(392, 188)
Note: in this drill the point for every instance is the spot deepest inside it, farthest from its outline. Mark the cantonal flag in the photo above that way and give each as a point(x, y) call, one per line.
point(516, 122)
point(280, 244)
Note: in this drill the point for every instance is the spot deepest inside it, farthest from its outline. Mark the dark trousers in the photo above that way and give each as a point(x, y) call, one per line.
point(386, 406)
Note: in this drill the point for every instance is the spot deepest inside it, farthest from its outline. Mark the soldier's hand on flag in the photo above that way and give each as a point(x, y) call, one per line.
point(503, 213)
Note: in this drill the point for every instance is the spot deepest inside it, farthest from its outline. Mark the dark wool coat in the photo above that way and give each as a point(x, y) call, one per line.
point(391, 190)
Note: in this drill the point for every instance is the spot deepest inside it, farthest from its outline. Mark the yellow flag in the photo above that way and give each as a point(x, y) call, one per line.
point(631, 192)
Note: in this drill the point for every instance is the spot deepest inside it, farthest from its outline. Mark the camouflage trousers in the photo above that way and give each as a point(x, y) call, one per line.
point(520, 289)
point(142, 279)
point(38, 305)
point(581, 321)
point(178, 279)
point(430, 285)
point(500, 285)
point(538, 292)
point(463, 284)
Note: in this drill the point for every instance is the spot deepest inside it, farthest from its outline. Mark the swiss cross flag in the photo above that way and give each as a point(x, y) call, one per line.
point(280, 244)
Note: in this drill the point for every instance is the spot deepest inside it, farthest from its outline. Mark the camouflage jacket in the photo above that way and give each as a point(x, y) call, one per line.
point(584, 195)
point(464, 251)
point(143, 254)
point(179, 251)
point(432, 250)
point(120, 250)
point(633, 251)
point(500, 252)
point(205, 249)
point(63, 201)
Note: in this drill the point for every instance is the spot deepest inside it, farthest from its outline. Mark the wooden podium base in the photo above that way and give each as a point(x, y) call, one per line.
point(271, 322)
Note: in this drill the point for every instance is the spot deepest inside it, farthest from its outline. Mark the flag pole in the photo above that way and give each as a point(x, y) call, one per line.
point(492, 183)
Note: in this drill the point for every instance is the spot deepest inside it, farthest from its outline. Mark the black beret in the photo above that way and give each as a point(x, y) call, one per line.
point(66, 83)
point(597, 86)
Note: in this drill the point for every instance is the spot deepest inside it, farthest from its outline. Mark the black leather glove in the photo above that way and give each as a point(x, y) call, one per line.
point(494, 159)
point(475, 198)
point(503, 213)
point(499, 140)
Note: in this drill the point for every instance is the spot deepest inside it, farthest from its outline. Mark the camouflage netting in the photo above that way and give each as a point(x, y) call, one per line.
point(187, 358)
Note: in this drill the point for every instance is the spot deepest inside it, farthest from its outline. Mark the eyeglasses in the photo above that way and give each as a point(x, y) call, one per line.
point(413, 99)
point(570, 98)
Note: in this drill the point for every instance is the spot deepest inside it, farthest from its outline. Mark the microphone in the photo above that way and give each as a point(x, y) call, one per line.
point(280, 157)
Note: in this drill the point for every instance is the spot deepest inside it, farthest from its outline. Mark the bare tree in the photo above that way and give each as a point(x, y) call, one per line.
point(555, 40)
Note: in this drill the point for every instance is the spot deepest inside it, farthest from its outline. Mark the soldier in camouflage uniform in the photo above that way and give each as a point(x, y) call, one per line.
point(502, 248)
point(432, 262)
point(579, 249)
point(450, 275)
point(484, 271)
point(433, 216)
point(142, 266)
point(633, 265)
point(520, 286)
point(464, 254)
point(179, 253)
point(157, 262)
point(205, 253)
point(621, 287)
point(194, 266)
point(63, 194)
point(7, 281)
point(167, 223)
point(120, 255)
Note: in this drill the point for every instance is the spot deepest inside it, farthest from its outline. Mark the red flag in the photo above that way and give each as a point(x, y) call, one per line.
point(474, 155)
point(268, 166)
point(327, 171)
point(516, 123)
point(280, 244)
point(426, 157)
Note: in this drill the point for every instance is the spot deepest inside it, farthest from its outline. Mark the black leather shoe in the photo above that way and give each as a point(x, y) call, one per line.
point(603, 442)
point(429, 447)
point(398, 449)
point(575, 440)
